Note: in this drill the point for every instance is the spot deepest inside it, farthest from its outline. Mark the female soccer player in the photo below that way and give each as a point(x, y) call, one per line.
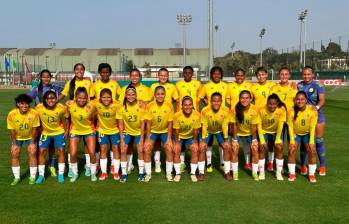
point(245, 127)
point(159, 128)
point(315, 97)
point(186, 124)
point(215, 85)
point(170, 98)
point(133, 116)
point(188, 87)
point(108, 127)
point(213, 118)
point(302, 124)
point(272, 119)
point(81, 113)
point(37, 93)
point(52, 119)
point(23, 123)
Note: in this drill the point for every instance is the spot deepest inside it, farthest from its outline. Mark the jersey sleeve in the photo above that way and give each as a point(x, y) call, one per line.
point(280, 127)
point(175, 95)
point(171, 115)
point(204, 124)
point(225, 124)
point(197, 123)
point(202, 92)
point(260, 130)
point(313, 123)
point(290, 126)
point(10, 123)
point(33, 93)
point(176, 122)
point(36, 121)
point(66, 89)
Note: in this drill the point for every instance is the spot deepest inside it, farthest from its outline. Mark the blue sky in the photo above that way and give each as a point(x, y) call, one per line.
point(152, 23)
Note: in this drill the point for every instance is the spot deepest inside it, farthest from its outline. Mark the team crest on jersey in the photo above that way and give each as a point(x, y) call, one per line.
point(137, 110)
point(56, 113)
point(311, 90)
point(29, 118)
point(111, 86)
point(194, 85)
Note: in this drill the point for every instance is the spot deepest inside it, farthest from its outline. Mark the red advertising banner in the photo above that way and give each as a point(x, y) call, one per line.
point(331, 82)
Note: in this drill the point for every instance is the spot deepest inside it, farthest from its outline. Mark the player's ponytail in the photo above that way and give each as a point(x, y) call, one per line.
point(239, 108)
point(296, 109)
point(72, 82)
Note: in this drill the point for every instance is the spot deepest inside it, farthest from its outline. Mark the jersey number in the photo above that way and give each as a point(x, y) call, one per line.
point(23, 126)
point(303, 122)
point(106, 114)
point(132, 118)
point(50, 119)
point(159, 119)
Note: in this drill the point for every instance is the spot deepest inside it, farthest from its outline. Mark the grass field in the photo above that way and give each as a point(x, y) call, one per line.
point(212, 201)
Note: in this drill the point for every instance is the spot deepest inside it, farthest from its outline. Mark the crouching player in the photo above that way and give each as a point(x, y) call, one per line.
point(52, 123)
point(186, 124)
point(272, 119)
point(23, 123)
point(212, 119)
point(302, 123)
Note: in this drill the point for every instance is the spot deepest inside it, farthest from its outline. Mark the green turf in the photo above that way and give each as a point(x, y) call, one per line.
point(213, 201)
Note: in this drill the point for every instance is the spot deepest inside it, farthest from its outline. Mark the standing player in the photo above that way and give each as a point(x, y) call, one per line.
point(133, 115)
point(260, 92)
point(215, 85)
point(315, 97)
point(23, 123)
point(186, 124)
point(272, 119)
point(81, 123)
point(213, 118)
point(302, 124)
point(52, 122)
point(159, 128)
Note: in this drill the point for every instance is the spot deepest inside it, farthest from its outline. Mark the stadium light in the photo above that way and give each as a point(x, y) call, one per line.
point(232, 49)
point(216, 27)
point(210, 35)
point(302, 37)
point(184, 20)
point(261, 34)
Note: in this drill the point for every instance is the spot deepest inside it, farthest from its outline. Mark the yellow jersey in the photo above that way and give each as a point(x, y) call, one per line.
point(23, 124)
point(170, 89)
point(209, 88)
point(52, 120)
point(250, 118)
point(261, 92)
point(79, 83)
point(143, 93)
point(159, 116)
point(271, 122)
point(211, 121)
point(132, 115)
point(304, 124)
point(81, 118)
point(186, 125)
point(286, 94)
point(107, 118)
point(234, 89)
point(112, 85)
point(191, 89)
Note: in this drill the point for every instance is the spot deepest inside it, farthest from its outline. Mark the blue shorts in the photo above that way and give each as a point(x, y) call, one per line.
point(320, 117)
point(20, 143)
point(104, 139)
point(270, 138)
point(135, 139)
point(302, 139)
point(210, 137)
point(184, 142)
point(93, 134)
point(45, 141)
point(155, 136)
point(248, 139)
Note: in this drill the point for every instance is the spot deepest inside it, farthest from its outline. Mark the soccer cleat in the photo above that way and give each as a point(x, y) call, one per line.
point(60, 178)
point(228, 177)
point(209, 168)
point(279, 176)
point(70, 173)
point(312, 179)
point(236, 176)
point(31, 180)
point(270, 166)
point(183, 166)
point(93, 177)
point(116, 176)
point(169, 177)
point(193, 178)
point(15, 181)
point(157, 167)
point(322, 171)
point(112, 169)
point(291, 177)
point(177, 178)
point(123, 178)
point(255, 176)
point(248, 166)
point(87, 172)
point(129, 171)
point(201, 177)
point(73, 178)
point(140, 177)
point(147, 178)
point(304, 170)
point(261, 176)
point(40, 179)
point(103, 176)
point(53, 171)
